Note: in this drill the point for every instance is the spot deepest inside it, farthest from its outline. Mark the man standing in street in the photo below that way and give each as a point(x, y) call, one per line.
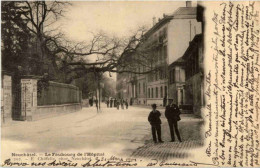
point(155, 121)
point(117, 104)
point(111, 103)
point(107, 103)
point(122, 104)
point(126, 104)
point(172, 113)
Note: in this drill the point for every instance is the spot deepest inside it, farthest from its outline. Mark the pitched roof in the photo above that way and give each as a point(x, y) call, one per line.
point(180, 13)
point(193, 44)
point(161, 22)
point(185, 11)
point(179, 61)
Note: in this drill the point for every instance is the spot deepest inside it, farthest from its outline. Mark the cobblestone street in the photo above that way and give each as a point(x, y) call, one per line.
point(118, 132)
point(169, 150)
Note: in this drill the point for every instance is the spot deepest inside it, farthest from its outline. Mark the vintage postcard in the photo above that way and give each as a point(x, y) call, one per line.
point(130, 83)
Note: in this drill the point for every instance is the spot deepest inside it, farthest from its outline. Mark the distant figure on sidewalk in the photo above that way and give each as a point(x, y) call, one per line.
point(126, 104)
point(91, 102)
point(107, 103)
point(172, 113)
point(117, 104)
point(96, 101)
point(111, 103)
point(164, 101)
point(122, 104)
point(155, 121)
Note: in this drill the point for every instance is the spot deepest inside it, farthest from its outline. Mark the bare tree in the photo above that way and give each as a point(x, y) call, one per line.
point(75, 59)
point(99, 55)
point(110, 55)
point(41, 16)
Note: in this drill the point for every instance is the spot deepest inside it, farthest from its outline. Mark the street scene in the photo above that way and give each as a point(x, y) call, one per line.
point(119, 132)
point(121, 78)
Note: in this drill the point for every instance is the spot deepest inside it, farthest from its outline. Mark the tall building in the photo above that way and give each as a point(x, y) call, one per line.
point(169, 38)
point(186, 74)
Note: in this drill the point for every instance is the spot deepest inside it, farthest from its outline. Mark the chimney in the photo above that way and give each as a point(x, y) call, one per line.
point(154, 21)
point(188, 4)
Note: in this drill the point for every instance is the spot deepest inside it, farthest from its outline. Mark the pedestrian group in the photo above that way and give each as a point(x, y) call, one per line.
point(117, 103)
point(172, 113)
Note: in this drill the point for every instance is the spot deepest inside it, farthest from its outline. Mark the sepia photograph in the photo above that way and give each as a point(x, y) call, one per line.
point(130, 83)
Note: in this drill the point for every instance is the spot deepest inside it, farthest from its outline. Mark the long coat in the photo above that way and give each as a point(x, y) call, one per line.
point(154, 118)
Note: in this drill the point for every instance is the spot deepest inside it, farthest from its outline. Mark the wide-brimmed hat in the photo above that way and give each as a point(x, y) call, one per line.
point(154, 105)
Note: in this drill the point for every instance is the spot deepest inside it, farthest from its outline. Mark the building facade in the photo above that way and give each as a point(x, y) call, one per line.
point(170, 38)
point(194, 85)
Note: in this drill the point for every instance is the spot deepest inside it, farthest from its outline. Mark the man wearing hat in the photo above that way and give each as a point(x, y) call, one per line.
point(172, 113)
point(155, 121)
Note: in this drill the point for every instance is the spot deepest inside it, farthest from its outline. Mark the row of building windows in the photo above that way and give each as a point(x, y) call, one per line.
point(158, 75)
point(159, 56)
point(161, 36)
point(154, 92)
point(157, 92)
point(139, 88)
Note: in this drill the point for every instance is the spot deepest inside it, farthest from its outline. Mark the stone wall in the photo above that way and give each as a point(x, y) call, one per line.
point(42, 112)
point(30, 108)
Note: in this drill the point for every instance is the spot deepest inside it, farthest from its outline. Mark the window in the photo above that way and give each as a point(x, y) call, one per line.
point(165, 32)
point(165, 91)
point(161, 53)
point(144, 88)
point(177, 75)
point(173, 75)
point(152, 92)
point(161, 92)
point(160, 36)
point(149, 95)
point(160, 74)
point(156, 93)
point(139, 87)
point(165, 51)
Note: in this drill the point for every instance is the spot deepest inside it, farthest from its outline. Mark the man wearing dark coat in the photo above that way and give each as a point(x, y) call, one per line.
point(155, 121)
point(172, 113)
point(115, 102)
point(107, 103)
point(111, 103)
point(122, 103)
point(126, 104)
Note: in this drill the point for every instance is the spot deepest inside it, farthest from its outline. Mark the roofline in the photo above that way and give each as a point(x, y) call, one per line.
point(167, 18)
point(191, 45)
point(163, 21)
point(176, 63)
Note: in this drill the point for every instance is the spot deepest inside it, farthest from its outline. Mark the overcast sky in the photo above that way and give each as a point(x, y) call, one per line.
point(116, 18)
